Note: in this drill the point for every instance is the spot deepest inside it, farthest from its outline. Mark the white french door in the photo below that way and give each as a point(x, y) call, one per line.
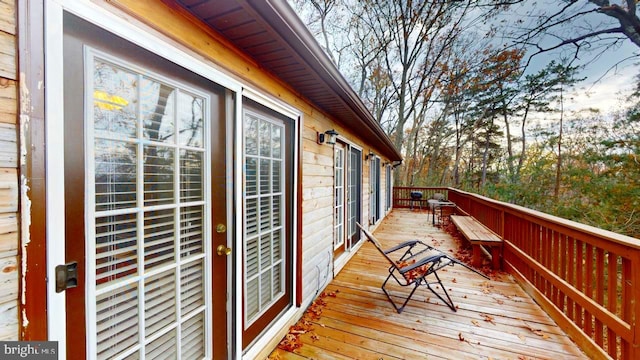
point(354, 191)
point(339, 193)
point(267, 230)
point(144, 159)
point(374, 191)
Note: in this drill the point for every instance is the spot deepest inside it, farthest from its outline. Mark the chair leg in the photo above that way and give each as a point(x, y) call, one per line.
point(448, 300)
point(398, 308)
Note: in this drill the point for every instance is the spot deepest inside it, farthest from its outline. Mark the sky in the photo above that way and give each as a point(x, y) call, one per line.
point(610, 74)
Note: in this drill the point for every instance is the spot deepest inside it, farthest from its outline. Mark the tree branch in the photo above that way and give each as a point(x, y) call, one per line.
point(575, 41)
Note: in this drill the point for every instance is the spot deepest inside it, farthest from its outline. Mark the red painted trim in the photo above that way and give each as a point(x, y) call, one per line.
point(33, 287)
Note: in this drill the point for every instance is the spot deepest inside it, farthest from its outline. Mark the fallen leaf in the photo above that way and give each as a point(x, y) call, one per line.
point(488, 318)
point(460, 337)
point(290, 343)
point(475, 322)
point(538, 332)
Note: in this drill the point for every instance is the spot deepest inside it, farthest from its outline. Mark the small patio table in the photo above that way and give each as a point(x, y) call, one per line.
point(438, 204)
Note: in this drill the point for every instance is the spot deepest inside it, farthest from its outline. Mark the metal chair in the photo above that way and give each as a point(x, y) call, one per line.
point(417, 262)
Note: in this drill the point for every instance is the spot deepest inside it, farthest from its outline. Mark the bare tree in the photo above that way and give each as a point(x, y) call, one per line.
point(596, 26)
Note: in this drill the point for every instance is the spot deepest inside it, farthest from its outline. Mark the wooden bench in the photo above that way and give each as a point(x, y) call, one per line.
point(479, 235)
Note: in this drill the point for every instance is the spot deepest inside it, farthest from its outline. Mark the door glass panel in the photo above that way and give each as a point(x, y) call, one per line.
point(159, 237)
point(191, 231)
point(158, 175)
point(149, 296)
point(264, 214)
point(115, 174)
point(191, 176)
point(193, 337)
point(116, 248)
point(190, 120)
point(158, 111)
point(117, 318)
point(115, 101)
point(159, 302)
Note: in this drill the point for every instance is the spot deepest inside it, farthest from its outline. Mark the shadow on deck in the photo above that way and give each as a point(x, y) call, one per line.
point(353, 319)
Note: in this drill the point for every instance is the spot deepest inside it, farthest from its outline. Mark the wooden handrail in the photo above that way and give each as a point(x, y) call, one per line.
point(587, 279)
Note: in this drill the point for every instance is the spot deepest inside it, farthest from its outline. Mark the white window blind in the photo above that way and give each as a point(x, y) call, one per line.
point(148, 297)
point(353, 179)
point(264, 214)
point(339, 189)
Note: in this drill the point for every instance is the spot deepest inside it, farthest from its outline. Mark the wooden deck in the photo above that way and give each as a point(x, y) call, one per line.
point(354, 320)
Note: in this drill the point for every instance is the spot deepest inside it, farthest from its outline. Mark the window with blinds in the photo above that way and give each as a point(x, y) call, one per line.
point(147, 297)
point(339, 188)
point(354, 183)
point(264, 198)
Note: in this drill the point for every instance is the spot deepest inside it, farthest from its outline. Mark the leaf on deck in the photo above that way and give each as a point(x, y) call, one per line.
point(475, 322)
point(538, 332)
point(290, 343)
point(486, 287)
point(488, 318)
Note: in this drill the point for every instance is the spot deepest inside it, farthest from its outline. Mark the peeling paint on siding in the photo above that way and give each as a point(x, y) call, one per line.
point(25, 211)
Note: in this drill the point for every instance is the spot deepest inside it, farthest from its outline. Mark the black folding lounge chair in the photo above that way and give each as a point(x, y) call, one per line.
point(418, 262)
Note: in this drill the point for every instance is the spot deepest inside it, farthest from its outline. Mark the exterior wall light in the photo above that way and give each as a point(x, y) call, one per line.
point(370, 155)
point(329, 137)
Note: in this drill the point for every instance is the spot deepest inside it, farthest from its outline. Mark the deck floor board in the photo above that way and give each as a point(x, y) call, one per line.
point(495, 319)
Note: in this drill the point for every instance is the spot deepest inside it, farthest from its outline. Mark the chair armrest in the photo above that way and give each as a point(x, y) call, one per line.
point(411, 243)
point(421, 262)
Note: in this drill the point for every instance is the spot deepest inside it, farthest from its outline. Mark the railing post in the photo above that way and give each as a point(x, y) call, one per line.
point(635, 301)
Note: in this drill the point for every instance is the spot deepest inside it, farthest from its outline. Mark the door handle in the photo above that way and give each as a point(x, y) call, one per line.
point(223, 250)
point(66, 276)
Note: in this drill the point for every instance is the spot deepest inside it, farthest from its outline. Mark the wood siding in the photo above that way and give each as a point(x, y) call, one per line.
point(8, 174)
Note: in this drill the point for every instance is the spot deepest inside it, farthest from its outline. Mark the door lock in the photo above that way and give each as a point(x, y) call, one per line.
point(220, 228)
point(66, 276)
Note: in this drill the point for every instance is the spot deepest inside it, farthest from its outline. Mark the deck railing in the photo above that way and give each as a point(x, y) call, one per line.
point(402, 196)
point(586, 278)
